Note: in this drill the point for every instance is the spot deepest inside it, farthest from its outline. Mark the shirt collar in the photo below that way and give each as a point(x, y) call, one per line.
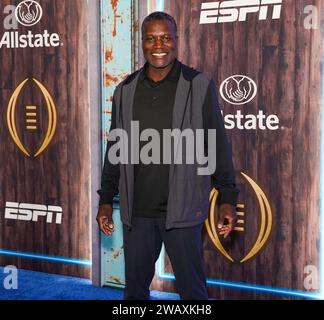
point(172, 76)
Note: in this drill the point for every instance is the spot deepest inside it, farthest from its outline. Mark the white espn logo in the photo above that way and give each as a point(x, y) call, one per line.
point(31, 212)
point(238, 10)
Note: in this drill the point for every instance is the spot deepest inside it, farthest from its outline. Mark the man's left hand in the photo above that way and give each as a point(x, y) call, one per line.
point(227, 219)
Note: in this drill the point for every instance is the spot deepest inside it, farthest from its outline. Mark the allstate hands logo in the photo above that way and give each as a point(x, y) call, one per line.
point(238, 89)
point(28, 13)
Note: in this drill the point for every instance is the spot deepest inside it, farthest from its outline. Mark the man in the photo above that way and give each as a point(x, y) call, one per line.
point(166, 203)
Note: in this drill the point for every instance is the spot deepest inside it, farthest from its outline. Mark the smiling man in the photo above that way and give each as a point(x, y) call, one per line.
point(166, 203)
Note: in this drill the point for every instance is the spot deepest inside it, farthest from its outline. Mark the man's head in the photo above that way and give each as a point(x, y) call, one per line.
point(159, 39)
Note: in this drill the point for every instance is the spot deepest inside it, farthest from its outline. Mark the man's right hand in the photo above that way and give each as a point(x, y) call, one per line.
point(105, 220)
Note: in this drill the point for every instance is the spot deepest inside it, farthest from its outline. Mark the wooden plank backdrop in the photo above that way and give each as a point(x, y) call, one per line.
point(284, 59)
point(60, 175)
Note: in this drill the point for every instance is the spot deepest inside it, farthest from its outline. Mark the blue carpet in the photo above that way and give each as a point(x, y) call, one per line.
point(44, 286)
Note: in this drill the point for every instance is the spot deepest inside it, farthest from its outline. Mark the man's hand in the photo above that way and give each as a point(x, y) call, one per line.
point(105, 220)
point(227, 219)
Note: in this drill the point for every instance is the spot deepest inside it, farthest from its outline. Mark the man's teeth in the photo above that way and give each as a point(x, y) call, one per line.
point(159, 54)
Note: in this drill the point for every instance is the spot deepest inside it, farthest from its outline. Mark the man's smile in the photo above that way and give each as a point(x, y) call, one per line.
point(159, 54)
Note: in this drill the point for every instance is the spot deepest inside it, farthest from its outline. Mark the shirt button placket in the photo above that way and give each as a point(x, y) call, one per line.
point(154, 101)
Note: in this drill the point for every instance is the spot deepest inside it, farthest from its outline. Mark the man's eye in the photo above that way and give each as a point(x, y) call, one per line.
point(150, 39)
point(166, 38)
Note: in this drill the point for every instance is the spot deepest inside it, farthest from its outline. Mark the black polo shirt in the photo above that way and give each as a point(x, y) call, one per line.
point(153, 108)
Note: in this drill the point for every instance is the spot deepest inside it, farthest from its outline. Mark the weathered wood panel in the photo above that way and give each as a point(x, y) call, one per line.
point(284, 59)
point(60, 175)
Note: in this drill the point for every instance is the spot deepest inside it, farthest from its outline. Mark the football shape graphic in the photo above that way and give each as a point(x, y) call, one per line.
point(31, 121)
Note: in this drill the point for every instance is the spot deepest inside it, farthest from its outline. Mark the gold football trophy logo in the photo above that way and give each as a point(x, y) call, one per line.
point(31, 121)
point(265, 226)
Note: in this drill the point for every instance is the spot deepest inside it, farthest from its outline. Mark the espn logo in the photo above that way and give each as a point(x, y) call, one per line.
point(238, 10)
point(32, 212)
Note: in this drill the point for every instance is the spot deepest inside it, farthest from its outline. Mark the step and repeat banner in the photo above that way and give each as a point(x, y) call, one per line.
point(266, 59)
point(44, 133)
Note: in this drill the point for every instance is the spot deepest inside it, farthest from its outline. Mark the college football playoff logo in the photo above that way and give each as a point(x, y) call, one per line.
point(31, 113)
point(265, 222)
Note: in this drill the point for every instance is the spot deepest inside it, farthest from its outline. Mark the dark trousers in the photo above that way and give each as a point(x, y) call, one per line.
point(142, 246)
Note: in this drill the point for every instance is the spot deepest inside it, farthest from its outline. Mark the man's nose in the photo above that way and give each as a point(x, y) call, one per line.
point(158, 42)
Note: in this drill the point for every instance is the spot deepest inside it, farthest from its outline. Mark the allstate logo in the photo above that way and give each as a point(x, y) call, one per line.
point(28, 13)
point(238, 89)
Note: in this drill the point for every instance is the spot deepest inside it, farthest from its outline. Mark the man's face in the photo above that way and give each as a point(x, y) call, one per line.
point(159, 43)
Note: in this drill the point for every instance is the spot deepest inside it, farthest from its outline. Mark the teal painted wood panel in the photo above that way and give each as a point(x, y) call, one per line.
point(117, 61)
point(119, 54)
